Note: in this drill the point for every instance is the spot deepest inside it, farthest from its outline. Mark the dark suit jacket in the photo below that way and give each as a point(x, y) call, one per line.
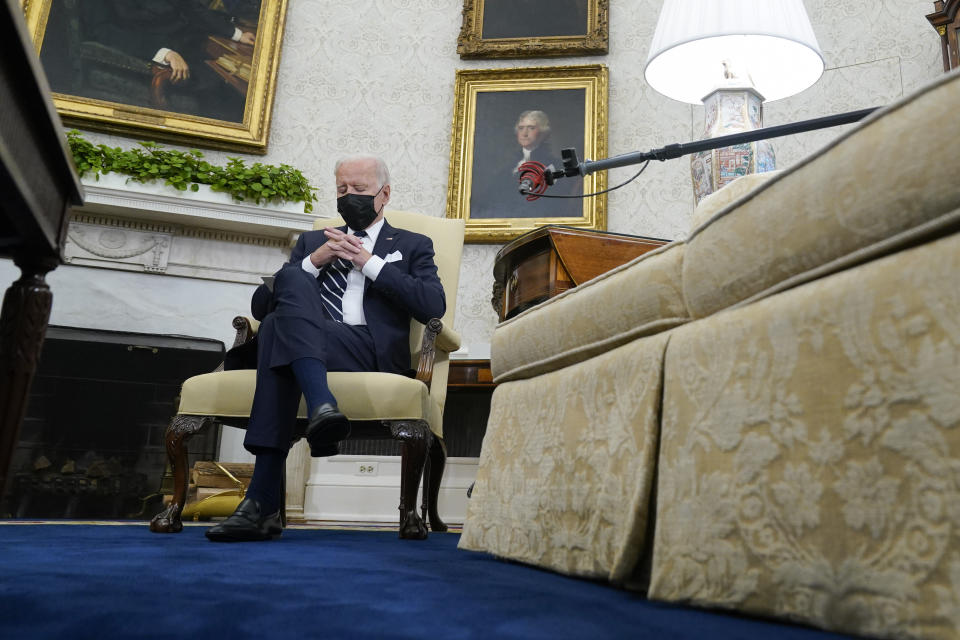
point(408, 287)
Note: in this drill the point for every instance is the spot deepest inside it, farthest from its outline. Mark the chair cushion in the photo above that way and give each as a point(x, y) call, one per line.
point(360, 396)
point(635, 299)
point(872, 189)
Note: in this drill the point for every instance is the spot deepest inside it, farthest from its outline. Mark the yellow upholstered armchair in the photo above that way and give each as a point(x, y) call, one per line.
point(378, 405)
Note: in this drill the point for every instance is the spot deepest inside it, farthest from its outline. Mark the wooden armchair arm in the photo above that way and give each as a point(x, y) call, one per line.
point(435, 336)
point(246, 329)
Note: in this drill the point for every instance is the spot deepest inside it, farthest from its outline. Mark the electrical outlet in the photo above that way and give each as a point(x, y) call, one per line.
point(367, 468)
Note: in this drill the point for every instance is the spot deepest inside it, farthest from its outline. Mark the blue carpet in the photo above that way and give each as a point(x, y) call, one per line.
point(89, 581)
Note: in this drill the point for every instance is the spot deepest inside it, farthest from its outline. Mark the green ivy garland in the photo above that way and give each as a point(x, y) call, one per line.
point(184, 170)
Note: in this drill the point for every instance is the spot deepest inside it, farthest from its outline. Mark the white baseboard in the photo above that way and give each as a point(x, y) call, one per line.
point(367, 489)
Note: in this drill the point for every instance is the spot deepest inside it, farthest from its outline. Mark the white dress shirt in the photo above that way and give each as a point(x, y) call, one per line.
point(353, 295)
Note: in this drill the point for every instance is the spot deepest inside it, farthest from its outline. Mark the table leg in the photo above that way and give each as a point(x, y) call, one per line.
point(23, 324)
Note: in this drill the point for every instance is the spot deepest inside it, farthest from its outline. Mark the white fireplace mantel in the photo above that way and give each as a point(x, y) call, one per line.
point(153, 228)
point(115, 194)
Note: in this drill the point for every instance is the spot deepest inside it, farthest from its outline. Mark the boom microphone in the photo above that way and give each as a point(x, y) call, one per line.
point(534, 179)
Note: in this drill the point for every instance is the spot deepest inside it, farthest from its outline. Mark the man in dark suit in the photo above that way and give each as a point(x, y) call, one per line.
point(343, 302)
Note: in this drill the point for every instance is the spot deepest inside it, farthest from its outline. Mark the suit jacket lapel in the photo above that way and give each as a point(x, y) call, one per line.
point(387, 237)
point(385, 241)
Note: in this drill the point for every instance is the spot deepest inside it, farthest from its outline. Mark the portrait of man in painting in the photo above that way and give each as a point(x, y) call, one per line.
point(191, 57)
point(513, 127)
point(534, 18)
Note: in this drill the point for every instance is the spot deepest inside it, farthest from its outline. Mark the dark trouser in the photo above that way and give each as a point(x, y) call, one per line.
point(297, 327)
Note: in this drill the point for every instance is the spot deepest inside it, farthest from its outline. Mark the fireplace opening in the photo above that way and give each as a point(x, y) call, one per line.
point(92, 442)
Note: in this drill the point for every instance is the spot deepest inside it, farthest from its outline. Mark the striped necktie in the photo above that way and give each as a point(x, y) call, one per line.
point(333, 284)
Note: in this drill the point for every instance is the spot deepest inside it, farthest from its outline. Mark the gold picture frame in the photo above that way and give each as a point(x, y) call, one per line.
point(493, 28)
point(100, 81)
point(568, 105)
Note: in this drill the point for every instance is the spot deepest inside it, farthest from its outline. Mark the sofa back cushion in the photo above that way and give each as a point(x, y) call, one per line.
point(720, 199)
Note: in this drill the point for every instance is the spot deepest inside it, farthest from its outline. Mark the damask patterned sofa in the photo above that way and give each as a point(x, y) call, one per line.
point(764, 417)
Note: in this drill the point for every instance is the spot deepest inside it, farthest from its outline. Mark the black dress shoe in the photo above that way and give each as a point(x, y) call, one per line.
point(246, 524)
point(327, 427)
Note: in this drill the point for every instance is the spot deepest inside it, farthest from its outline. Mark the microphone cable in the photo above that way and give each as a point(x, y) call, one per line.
point(595, 193)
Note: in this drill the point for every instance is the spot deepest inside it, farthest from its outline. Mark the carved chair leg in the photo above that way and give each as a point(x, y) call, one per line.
point(432, 475)
point(414, 437)
point(181, 429)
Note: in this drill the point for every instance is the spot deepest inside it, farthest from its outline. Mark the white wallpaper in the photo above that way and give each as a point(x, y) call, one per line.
point(378, 75)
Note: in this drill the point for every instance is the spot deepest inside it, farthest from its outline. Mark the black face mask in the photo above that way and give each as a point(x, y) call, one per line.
point(357, 210)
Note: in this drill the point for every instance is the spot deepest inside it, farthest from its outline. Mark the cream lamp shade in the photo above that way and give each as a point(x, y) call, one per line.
point(700, 44)
point(731, 56)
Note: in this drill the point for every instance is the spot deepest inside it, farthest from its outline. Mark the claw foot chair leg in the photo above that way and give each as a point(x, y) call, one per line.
point(414, 437)
point(181, 429)
point(432, 476)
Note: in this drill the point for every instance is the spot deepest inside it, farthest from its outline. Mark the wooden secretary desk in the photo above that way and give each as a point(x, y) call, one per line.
point(38, 184)
point(547, 261)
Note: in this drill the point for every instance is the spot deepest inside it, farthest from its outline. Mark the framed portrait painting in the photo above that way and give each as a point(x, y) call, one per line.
point(533, 28)
point(504, 117)
point(193, 72)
